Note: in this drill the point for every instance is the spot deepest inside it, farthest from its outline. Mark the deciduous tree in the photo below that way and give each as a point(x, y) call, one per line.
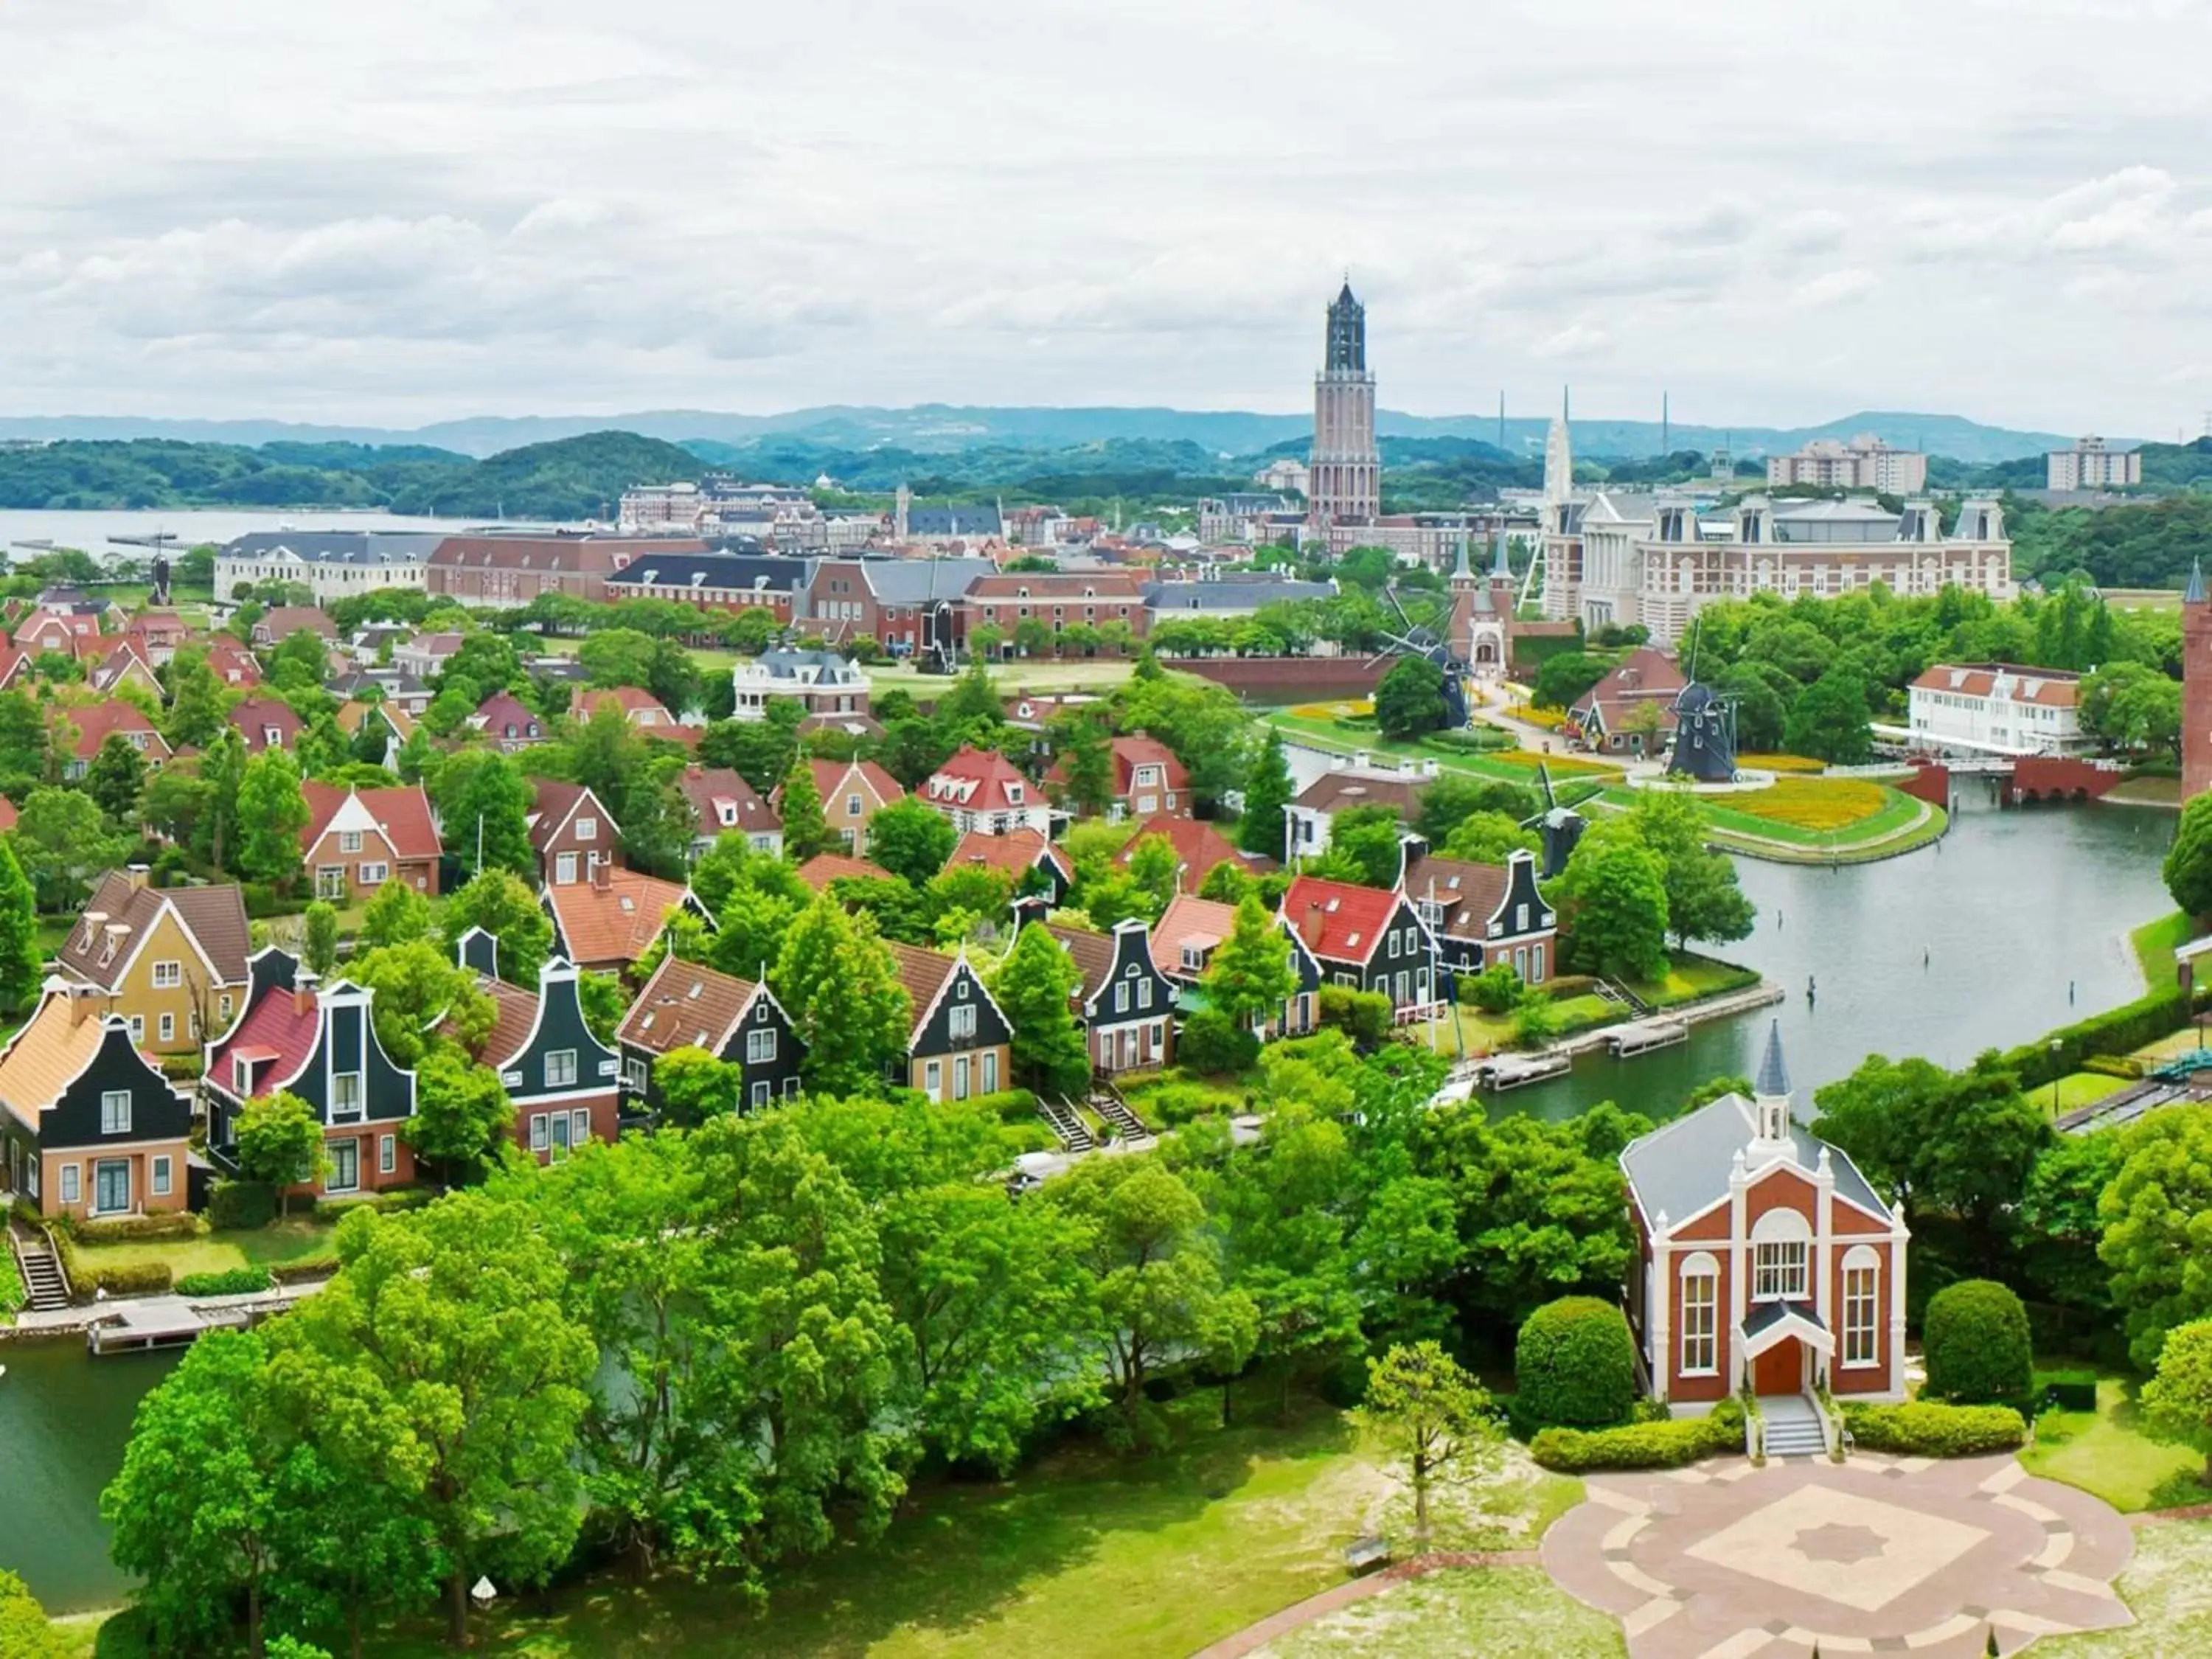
point(64, 844)
point(394, 914)
point(1251, 974)
point(462, 1114)
point(2178, 1399)
point(2158, 1230)
point(839, 985)
point(1431, 1416)
point(319, 941)
point(1410, 701)
point(1613, 898)
point(911, 839)
point(504, 907)
point(1033, 986)
point(1266, 793)
point(280, 1141)
point(805, 831)
point(22, 962)
point(272, 811)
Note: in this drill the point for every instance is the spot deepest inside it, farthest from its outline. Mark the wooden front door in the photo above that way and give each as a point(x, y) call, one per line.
point(1780, 1370)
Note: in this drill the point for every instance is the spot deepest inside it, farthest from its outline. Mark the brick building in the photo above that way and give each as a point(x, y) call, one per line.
point(506, 571)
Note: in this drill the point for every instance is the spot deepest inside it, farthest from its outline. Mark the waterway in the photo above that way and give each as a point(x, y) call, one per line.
point(120, 534)
point(2019, 925)
point(64, 1421)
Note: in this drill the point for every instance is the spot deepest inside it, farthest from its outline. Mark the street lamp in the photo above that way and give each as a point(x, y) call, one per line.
point(2055, 1047)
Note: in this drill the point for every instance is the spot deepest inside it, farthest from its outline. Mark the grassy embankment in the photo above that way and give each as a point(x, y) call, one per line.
point(280, 1242)
point(2109, 1453)
point(1084, 1554)
point(1505, 765)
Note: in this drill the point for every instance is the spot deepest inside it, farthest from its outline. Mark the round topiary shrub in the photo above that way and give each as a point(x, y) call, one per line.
point(1976, 1343)
point(1576, 1365)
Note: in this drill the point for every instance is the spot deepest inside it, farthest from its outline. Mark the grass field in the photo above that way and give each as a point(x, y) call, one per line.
point(1690, 976)
point(2109, 1454)
point(1500, 1612)
point(1509, 765)
point(2080, 1089)
point(2154, 944)
point(214, 1253)
point(1085, 1555)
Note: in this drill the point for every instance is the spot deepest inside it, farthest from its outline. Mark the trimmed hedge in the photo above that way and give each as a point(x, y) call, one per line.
point(392, 1200)
point(2117, 1031)
point(307, 1267)
point(1667, 1445)
point(1574, 1365)
point(133, 1229)
point(122, 1279)
point(1923, 1428)
point(231, 1281)
point(2120, 1066)
point(1010, 1105)
point(1975, 1340)
point(2067, 1391)
point(240, 1206)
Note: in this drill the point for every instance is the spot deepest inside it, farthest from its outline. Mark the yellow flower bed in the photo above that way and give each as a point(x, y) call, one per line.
point(1780, 763)
point(1528, 714)
point(1810, 802)
point(1561, 766)
point(1343, 709)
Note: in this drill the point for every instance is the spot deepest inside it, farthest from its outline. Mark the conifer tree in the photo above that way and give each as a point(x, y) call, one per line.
point(22, 961)
point(1266, 794)
point(805, 831)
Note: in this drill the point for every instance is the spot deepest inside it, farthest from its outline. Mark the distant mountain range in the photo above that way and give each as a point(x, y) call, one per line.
point(947, 429)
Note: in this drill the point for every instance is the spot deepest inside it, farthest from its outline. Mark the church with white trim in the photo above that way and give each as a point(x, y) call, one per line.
point(1766, 1259)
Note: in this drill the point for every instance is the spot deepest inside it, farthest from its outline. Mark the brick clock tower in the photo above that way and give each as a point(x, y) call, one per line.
point(2196, 686)
point(1348, 470)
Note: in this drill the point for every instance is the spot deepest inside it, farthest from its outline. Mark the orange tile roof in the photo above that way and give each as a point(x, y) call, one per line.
point(1016, 853)
point(823, 868)
point(46, 1056)
point(686, 1004)
point(613, 918)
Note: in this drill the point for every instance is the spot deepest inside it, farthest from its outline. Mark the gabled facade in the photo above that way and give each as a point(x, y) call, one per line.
point(852, 793)
point(981, 790)
point(266, 723)
point(960, 1042)
point(573, 833)
point(95, 723)
point(564, 1081)
point(723, 803)
point(357, 839)
point(170, 963)
point(1149, 781)
point(823, 682)
point(1312, 814)
point(1367, 940)
point(1033, 863)
point(686, 1004)
point(319, 1043)
point(127, 664)
point(1764, 1259)
point(1191, 929)
point(1484, 914)
point(509, 724)
point(1125, 1003)
point(89, 1127)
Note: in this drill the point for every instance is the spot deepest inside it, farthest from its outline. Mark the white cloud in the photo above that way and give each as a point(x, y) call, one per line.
point(425, 209)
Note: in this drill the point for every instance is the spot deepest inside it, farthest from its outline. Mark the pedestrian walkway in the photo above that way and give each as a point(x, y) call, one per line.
point(1880, 1554)
point(155, 1312)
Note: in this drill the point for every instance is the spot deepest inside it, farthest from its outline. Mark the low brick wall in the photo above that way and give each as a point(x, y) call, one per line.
point(2058, 777)
point(1289, 679)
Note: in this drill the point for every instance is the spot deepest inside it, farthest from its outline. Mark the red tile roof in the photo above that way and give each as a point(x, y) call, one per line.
point(506, 718)
point(1092, 954)
point(923, 973)
point(978, 779)
point(830, 775)
point(550, 809)
point(280, 1030)
point(254, 717)
point(614, 917)
point(686, 1004)
point(823, 868)
point(640, 707)
point(1129, 753)
point(284, 620)
point(95, 723)
point(1199, 846)
point(2050, 687)
point(1196, 922)
point(1016, 853)
point(402, 814)
point(722, 801)
point(1337, 919)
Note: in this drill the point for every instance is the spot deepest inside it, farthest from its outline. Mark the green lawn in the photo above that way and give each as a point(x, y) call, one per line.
point(1500, 1612)
point(2080, 1089)
point(1690, 976)
point(2154, 944)
point(2169, 1592)
point(1143, 1093)
point(1084, 1556)
point(1326, 734)
point(210, 1253)
point(2110, 1455)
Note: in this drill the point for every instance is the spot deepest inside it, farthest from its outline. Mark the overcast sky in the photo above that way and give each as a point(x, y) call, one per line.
point(406, 210)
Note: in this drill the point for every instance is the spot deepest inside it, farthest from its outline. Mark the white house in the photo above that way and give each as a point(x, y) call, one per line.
point(1995, 708)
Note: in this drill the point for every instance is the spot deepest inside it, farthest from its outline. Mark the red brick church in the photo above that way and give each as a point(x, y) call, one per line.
point(1765, 1257)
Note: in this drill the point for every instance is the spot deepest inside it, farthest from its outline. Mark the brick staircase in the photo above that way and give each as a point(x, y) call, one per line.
point(1107, 1102)
point(1064, 1121)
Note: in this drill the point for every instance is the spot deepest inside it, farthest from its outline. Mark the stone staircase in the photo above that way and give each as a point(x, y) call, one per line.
point(1793, 1426)
point(1114, 1111)
point(43, 1283)
point(1066, 1122)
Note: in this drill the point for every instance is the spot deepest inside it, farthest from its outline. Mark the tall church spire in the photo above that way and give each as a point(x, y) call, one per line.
point(1347, 332)
point(1769, 1097)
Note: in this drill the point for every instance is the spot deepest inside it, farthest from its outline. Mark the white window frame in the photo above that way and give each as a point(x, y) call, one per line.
point(168, 1028)
point(1701, 1303)
point(337, 1150)
point(1862, 1298)
point(387, 1154)
point(115, 1111)
point(349, 841)
point(587, 830)
point(932, 1077)
point(163, 1176)
point(72, 1183)
point(375, 875)
point(359, 1106)
point(561, 1069)
point(540, 1136)
point(961, 1022)
point(168, 975)
point(1781, 1268)
point(564, 869)
point(580, 1127)
point(760, 1047)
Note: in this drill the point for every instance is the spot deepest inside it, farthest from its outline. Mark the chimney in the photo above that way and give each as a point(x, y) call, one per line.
point(1428, 768)
point(303, 992)
point(80, 1001)
point(1309, 930)
point(602, 877)
point(138, 875)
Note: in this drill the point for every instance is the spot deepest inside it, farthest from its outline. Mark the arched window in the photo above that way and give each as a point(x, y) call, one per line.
point(1861, 1305)
point(1701, 1301)
point(1781, 1250)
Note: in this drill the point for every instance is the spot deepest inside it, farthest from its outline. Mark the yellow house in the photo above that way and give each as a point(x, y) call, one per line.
point(170, 962)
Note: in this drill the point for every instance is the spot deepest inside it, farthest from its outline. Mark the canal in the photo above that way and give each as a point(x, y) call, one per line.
point(2017, 907)
point(2019, 925)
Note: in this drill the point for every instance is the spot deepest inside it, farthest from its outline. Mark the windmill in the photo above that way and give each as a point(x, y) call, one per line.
point(1558, 823)
point(1705, 728)
point(1420, 639)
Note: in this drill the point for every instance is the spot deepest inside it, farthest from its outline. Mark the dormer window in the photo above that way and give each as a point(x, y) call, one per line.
point(241, 1076)
point(1013, 794)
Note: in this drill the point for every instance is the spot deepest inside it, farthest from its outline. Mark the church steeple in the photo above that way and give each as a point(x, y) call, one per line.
point(1348, 333)
point(1770, 1098)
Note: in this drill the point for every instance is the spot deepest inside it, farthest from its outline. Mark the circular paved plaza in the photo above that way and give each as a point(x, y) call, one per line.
point(1877, 1555)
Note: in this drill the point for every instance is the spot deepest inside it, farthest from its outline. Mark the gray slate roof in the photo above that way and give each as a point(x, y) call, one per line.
point(1773, 1076)
point(764, 572)
point(1202, 597)
point(952, 521)
point(1682, 1167)
point(911, 582)
point(355, 547)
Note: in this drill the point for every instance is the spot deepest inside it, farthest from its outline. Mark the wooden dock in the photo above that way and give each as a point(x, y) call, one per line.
point(171, 1323)
point(1514, 1071)
point(1642, 1036)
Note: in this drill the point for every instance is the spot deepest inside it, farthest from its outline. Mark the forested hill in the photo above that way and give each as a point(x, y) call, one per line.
point(574, 478)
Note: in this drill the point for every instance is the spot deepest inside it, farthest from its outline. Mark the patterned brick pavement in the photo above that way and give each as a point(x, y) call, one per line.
point(1877, 1555)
